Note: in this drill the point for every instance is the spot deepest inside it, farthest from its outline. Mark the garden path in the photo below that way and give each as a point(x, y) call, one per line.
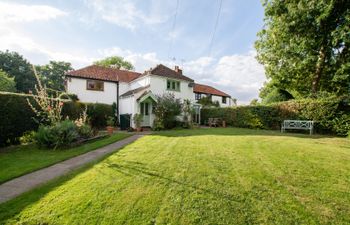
point(22, 184)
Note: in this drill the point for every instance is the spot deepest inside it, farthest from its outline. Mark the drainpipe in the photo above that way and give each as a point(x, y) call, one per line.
point(117, 103)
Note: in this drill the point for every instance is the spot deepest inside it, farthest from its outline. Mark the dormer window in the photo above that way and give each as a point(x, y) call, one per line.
point(173, 85)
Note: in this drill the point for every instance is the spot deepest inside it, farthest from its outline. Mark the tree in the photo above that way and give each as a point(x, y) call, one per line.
point(7, 83)
point(115, 61)
point(254, 102)
point(270, 94)
point(18, 68)
point(234, 101)
point(52, 74)
point(304, 45)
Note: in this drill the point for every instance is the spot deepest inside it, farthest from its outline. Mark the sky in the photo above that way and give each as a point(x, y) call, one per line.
point(211, 49)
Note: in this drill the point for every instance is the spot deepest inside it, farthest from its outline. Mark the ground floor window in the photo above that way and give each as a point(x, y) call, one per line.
point(198, 96)
point(223, 99)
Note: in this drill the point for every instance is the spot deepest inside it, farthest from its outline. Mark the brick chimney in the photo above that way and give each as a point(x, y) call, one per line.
point(178, 70)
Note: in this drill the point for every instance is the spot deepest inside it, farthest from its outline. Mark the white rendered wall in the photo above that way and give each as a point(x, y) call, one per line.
point(215, 98)
point(126, 105)
point(140, 82)
point(78, 86)
point(123, 87)
point(159, 87)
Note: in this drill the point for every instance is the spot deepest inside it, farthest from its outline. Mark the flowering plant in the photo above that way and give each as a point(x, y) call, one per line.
point(49, 108)
point(82, 119)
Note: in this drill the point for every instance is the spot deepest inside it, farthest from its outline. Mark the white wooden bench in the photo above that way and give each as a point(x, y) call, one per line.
point(213, 122)
point(298, 125)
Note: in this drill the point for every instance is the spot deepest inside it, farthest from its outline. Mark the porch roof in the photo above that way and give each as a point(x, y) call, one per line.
point(145, 95)
point(134, 91)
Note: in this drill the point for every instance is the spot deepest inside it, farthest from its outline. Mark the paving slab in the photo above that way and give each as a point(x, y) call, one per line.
point(22, 184)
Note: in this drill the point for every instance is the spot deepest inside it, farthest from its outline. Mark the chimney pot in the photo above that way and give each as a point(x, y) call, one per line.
point(178, 70)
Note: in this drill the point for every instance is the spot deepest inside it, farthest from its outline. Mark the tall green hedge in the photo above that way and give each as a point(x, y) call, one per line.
point(332, 115)
point(16, 117)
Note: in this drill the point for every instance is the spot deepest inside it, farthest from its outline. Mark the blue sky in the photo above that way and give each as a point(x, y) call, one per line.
point(83, 31)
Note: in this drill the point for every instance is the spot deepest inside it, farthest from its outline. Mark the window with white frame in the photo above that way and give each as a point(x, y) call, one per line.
point(173, 85)
point(224, 99)
point(94, 85)
point(198, 96)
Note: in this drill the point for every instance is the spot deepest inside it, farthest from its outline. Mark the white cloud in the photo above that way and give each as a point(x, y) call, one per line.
point(140, 61)
point(125, 13)
point(14, 41)
point(239, 75)
point(13, 15)
point(14, 12)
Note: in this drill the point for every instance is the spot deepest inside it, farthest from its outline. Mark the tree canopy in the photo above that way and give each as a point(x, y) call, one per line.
point(7, 83)
point(304, 46)
point(115, 61)
point(20, 69)
point(52, 74)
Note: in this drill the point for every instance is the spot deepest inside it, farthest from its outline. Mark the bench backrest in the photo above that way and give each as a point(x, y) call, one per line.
point(298, 124)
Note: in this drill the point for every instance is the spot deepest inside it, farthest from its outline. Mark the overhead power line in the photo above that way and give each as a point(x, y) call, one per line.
point(215, 27)
point(173, 29)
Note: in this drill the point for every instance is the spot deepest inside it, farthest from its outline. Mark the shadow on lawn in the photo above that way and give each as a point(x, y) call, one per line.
point(230, 131)
point(13, 207)
point(137, 169)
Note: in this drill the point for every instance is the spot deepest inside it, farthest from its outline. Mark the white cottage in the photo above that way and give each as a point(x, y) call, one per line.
point(136, 92)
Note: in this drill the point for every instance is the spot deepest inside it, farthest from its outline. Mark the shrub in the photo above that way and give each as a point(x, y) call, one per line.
point(28, 137)
point(48, 107)
point(137, 118)
point(332, 115)
point(7, 83)
point(61, 134)
point(98, 114)
point(85, 131)
point(68, 96)
point(166, 110)
point(187, 111)
point(16, 116)
point(110, 121)
point(341, 125)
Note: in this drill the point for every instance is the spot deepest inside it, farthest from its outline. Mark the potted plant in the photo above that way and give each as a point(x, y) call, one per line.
point(138, 120)
point(223, 123)
point(110, 125)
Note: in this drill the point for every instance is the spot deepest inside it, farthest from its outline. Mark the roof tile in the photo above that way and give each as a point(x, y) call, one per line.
point(162, 70)
point(103, 73)
point(201, 88)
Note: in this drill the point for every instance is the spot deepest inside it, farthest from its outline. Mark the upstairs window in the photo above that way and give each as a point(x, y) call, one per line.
point(173, 85)
point(223, 100)
point(94, 85)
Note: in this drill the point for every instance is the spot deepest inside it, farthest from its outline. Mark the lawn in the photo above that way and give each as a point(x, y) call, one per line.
point(22, 159)
point(207, 176)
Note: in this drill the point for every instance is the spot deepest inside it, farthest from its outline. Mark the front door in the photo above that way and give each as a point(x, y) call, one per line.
point(145, 110)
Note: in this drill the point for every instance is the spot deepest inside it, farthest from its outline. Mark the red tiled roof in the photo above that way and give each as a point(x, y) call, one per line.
point(103, 73)
point(162, 70)
point(200, 88)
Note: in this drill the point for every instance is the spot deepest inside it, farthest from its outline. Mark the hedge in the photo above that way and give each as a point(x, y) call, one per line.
point(16, 117)
point(332, 115)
